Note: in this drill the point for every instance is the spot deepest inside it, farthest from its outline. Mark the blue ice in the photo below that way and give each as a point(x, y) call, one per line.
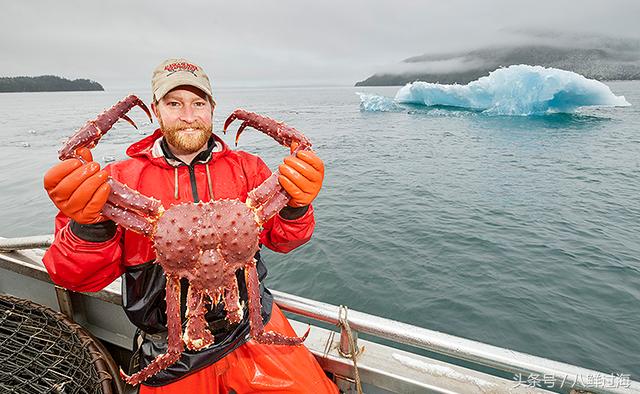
point(518, 90)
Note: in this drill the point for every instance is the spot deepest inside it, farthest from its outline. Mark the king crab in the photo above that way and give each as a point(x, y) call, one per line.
point(206, 243)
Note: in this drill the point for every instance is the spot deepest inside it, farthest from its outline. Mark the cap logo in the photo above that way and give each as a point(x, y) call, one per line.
point(182, 66)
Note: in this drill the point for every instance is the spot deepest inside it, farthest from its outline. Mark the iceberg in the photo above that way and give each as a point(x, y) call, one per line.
point(518, 90)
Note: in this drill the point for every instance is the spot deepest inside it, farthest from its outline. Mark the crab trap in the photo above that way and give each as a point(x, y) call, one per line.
point(42, 351)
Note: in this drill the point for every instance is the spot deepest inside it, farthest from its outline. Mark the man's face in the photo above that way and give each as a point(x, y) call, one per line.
point(185, 116)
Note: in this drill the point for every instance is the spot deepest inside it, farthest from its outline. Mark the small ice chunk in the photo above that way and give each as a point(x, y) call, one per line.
point(375, 103)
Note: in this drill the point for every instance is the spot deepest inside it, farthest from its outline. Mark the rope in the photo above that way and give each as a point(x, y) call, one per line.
point(175, 182)
point(209, 182)
point(355, 352)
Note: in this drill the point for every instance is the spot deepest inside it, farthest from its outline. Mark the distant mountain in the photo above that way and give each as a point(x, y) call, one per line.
point(602, 63)
point(46, 83)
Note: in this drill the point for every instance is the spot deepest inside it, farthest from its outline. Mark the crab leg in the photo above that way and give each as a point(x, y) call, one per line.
point(196, 334)
point(174, 345)
point(131, 209)
point(261, 194)
point(279, 131)
point(268, 198)
point(128, 219)
point(124, 205)
point(255, 316)
point(278, 200)
point(124, 196)
point(89, 134)
point(232, 302)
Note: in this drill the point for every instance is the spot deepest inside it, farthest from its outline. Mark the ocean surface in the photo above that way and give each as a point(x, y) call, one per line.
point(518, 231)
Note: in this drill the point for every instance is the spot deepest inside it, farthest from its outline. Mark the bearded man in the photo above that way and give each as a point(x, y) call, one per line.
point(183, 161)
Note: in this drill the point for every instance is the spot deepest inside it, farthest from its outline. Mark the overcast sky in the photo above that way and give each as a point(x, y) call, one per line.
point(287, 42)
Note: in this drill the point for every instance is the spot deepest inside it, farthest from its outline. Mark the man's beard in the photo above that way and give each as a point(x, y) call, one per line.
point(185, 144)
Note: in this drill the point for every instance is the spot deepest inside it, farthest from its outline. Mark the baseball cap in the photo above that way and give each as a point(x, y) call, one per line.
point(175, 72)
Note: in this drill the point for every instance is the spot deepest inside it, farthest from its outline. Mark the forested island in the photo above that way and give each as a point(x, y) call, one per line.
point(46, 83)
point(621, 62)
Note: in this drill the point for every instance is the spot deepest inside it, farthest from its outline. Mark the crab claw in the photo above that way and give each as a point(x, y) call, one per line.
point(275, 338)
point(240, 130)
point(89, 134)
point(129, 120)
point(229, 120)
point(279, 131)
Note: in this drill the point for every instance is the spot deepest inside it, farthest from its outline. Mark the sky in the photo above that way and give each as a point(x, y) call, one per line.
point(278, 43)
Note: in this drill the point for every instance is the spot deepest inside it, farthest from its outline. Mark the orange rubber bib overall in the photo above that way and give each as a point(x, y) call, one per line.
point(256, 368)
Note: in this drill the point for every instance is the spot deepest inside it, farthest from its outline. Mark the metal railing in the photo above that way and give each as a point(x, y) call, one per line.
point(20, 243)
point(458, 348)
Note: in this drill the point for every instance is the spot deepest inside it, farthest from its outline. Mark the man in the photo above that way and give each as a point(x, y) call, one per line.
point(183, 161)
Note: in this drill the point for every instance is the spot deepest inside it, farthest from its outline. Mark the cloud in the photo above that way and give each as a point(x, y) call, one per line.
point(451, 65)
point(584, 40)
point(119, 42)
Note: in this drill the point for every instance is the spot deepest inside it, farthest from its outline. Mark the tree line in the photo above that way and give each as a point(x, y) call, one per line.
point(46, 83)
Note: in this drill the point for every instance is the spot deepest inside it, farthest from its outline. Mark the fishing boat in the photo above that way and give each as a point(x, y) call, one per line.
point(390, 356)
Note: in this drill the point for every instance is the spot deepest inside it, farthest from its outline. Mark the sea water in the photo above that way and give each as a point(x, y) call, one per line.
point(518, 231)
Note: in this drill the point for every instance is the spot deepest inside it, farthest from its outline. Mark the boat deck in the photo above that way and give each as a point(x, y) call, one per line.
point(387, 365)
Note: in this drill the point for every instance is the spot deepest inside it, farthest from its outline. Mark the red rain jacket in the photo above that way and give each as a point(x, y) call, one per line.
point(81, 265)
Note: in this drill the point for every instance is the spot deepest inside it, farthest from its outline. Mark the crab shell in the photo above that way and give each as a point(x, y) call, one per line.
point(186, 232)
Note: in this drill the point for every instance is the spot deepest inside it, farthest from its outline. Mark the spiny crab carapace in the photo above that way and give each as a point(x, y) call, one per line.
point(206, 243)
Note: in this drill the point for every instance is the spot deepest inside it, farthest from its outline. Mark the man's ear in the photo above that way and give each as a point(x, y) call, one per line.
point(154, 108)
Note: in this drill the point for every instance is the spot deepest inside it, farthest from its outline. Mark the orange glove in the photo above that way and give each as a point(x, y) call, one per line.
point(301, 176)
point(79, 190)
